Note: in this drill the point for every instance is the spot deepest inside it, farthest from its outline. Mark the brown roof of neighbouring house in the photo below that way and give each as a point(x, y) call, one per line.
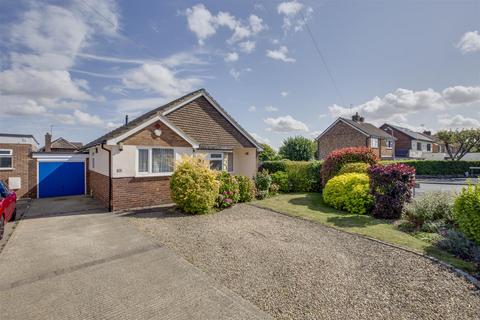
point(368, 129)
point(63, 144)
point(411, 133)
point(170, 105)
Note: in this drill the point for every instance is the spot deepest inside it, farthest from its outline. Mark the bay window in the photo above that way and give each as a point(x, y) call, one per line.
point(155, 161)
point(6, 156)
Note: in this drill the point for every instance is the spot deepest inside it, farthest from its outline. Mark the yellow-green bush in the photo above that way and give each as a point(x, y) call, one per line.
point(194, 187)
point(467, 212)
point(355, 167)
point(350, 192)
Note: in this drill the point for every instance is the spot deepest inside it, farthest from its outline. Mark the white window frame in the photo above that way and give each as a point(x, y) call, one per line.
point(150, 172)
point(10, 155)
point(215, 159)
point(389, 144)
point(374, 145)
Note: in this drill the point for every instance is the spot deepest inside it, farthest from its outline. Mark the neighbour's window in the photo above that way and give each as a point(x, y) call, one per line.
point(162, 160)
point(429, 147)
point(5, 159)
point(93, 163)
point(389, 144)
point(216, 161)
point(143, 160)
point(419, 146)
point(374, 142)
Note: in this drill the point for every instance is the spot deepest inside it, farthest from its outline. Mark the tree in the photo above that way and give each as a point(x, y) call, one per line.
point(297, 149)
point(268, 154)
point(459, 142)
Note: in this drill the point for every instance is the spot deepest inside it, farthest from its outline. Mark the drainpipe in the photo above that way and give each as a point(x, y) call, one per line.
point(110, 187)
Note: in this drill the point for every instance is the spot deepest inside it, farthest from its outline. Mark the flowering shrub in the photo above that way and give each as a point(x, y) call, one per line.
point(262, 181)
point(391, 186)
point(338, 158)
point(229, 191)
point(355, 167)
point(349, 192)
point(273, 190)
point(246, 188)
point(280, 178)
point(193, 185)
point(467, 212)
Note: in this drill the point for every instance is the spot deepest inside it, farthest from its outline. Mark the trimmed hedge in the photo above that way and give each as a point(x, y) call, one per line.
point(467, 212)
point(303, 175)
point(438, 167)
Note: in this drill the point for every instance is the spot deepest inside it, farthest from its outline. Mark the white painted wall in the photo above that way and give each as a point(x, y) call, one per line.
point(245, 161)
point(101, 160)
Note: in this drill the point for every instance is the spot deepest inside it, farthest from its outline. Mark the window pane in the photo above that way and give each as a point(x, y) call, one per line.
point(142, 160)
point(216, 165)
point(7, 152)
point(228, 161)
point(215, 156)
point(162, 160)
point(5, 162)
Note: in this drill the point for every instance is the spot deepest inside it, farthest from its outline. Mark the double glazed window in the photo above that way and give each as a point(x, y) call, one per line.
point(155, 160)
point(6, 156)
point(389, 144)
point(429, 147)
point(221, 161)
point(374, 142)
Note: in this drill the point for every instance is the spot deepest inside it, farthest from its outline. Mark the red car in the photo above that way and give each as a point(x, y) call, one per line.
point(8, 206)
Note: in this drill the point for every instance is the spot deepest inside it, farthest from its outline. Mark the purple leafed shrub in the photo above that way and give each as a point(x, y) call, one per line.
point(392, 187)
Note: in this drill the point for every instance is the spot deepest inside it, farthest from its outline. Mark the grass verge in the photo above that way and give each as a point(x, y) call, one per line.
point(311, 206)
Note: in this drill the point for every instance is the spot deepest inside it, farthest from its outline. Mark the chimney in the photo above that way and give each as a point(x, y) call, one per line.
point(357, 118)
point(427, 132)
point(48, 142)
point(126, 119)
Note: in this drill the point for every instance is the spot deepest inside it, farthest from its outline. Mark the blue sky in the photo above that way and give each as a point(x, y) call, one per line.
point(82, 65)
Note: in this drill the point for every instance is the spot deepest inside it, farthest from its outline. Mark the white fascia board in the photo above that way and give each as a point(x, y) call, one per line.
point(60, 157)
point(219, 109)
point(148, 122)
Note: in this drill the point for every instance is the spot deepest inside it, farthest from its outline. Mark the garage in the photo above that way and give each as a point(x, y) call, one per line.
point(60, 175)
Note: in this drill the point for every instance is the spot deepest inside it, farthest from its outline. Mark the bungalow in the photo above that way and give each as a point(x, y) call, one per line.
point(131, 166)
point(355, 133)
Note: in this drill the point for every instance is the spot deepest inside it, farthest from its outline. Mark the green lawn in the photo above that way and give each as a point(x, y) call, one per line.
point(311, 206)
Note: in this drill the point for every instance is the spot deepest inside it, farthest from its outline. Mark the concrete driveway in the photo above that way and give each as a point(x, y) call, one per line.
point(69, 259)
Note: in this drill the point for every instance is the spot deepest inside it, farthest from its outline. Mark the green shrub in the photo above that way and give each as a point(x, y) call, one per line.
point(356, 167)
point(439, 167)
point(429, 207)
point(229, 191)
point(297, 149)
point(280, 178)
point(273, 166)
point(262, 194)
point(273, 190)
point(262, 181)
point(467, 212)
point(246, 187)
point(429, 237)
point(349, 192)
point(304, 176)
point(459, 245)
point(194, 187)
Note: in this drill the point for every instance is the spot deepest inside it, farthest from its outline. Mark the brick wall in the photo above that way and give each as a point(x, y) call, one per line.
point(146, 137)
point(99, 187)
point(140, 192)
point(340, 136)
point(23, 167)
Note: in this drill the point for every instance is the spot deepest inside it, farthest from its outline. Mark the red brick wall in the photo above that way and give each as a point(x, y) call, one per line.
point(99, 187)
point(340, 136)
point(168, 138)
point(140, 192)
point(24, 167)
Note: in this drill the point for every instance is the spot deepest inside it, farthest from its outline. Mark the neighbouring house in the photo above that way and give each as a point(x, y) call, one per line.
point(411, 144)
point(60, 145)
point(131, 166)
point(17, 168)
point(355, 132)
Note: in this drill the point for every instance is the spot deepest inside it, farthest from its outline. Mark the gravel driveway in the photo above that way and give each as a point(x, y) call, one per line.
point(295, 269)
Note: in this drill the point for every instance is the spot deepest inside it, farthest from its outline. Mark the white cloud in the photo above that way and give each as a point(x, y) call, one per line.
point(252, 109)
point(284, 93)
point(20, 106)
point(247, 46)
point(285, 124)
point(235, 74)
point(156, 77)
point(260, 139)
point(295, 15)
point(461, 94)
point(280, 54)
point(470, 42)
point(87, 119)
point(458, 121)
point(201, 22)
point(271, 109)
point(231, 57)
point(226, 19)
point(256, 24)
point(321, 116)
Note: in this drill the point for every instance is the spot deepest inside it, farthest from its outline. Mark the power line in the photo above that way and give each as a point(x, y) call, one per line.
point(323, 59)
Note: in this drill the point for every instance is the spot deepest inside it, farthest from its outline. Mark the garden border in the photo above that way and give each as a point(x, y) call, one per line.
point(459, 272)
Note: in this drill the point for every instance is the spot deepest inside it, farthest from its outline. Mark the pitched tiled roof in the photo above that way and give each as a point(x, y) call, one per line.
point(368, 129)
point(411, 133)
point(170, 105)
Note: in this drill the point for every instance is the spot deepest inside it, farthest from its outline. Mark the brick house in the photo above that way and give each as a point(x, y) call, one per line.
point(131, 166)
point(411, 144)
point(355, 133)
point(60, 145)
point(17, 168)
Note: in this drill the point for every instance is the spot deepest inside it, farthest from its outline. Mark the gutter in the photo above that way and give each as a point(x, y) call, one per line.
point(110, 186)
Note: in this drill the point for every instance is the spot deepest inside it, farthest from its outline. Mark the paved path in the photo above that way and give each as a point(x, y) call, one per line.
point(69, 259)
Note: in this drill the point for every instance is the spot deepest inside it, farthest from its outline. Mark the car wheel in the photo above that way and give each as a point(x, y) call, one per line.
point(2, 226)
point(14, 215)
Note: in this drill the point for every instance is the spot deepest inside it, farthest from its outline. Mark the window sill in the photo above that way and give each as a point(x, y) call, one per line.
point(147, 175)
point(7, 169)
